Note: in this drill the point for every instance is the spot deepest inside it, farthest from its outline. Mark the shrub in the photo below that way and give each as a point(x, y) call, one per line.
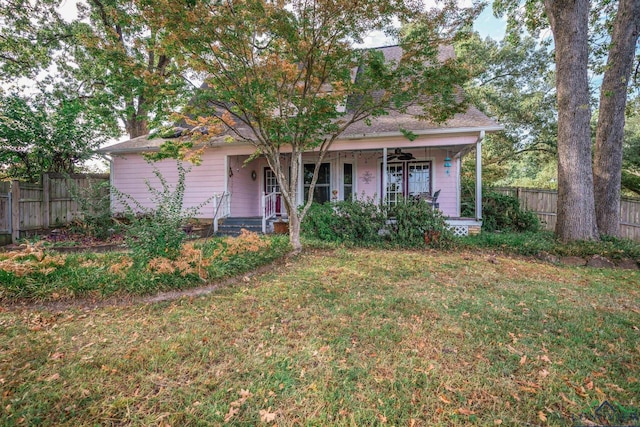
point(158, 232)
point(411, 220)
point(94, 205)
point(502, 212)
point(356, 220)
point(364, 221)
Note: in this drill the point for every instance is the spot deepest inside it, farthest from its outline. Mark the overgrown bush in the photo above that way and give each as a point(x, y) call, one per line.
point(356, 220)
point(502, 212)
point(410, 220)
point(364, 221)
point(158, 232)
point(94, 205)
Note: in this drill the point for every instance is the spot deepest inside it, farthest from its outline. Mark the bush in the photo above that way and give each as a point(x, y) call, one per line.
point(502, 212)
point(364, 221)
point(357, 220)
point(411, 220)
point(94, 204)
point(158, 232)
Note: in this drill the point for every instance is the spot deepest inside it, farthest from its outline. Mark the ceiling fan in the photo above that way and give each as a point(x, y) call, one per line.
point(398, 154)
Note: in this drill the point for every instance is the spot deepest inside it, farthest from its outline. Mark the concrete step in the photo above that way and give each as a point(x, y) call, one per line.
point(233, 226)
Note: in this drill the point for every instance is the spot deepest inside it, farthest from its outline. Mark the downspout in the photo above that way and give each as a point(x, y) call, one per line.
point(479, 176)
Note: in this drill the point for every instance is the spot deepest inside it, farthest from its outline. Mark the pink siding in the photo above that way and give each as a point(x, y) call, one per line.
point(212, 176)
point(245, 199)
point(131, 170)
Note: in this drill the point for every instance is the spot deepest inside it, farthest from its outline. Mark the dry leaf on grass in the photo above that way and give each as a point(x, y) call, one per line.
point(266, 416)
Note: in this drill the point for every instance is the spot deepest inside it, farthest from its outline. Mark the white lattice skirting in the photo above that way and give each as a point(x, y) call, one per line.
point(459, 230)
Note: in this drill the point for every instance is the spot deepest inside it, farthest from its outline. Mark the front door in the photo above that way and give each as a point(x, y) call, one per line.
point(408, 179)
point(271, 186)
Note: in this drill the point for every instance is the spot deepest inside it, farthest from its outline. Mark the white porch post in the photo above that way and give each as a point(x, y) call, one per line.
point(458, 185)
point(479, 177)
point(384, 175)
point(300, 197)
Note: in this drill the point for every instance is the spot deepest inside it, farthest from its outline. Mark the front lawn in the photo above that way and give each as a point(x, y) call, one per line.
point(340, 337)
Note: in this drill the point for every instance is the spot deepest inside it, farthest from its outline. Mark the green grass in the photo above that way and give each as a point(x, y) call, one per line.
point(531, 243)
point(340, 337)
point(55, 276)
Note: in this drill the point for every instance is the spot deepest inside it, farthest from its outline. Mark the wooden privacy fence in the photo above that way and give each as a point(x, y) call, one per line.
point(26, 208)
point(545, 203)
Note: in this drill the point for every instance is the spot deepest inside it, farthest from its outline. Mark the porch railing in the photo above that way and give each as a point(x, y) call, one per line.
point(222, 208)
point(269, 202)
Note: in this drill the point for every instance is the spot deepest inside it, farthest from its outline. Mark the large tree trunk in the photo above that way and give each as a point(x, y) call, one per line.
point(137, 127)
point(576, 218)
point(607, 166)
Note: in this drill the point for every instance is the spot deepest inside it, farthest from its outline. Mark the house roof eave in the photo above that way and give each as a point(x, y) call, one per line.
point(425, 132)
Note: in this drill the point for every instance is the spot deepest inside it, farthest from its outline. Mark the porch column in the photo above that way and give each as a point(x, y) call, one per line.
point(384, 175)
point(479, 177)
point(300, 197)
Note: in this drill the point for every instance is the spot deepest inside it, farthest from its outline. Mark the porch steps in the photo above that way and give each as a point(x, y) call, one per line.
point(232, 226)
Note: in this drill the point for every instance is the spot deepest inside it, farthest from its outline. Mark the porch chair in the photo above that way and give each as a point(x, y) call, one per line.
point(434, 200)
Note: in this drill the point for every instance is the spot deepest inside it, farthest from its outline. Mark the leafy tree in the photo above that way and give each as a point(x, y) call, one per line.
point(30, 32)
point(44, 134)
point(513, 82)
point(280, 72)
point(109, 56)
point(121, 65)
point(569, 21)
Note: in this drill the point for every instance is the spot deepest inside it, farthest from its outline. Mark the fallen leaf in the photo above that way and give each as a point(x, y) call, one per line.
point(463, 411)
point(567, 400)
point(523, 360)
point(497, 422)
point(233, 411)
point(542, 416)
point(53, 377)
point(382, 418)
point(616, 387)
point(543, 373)
point(444, 399)
point(266, 416)
point(545, 358)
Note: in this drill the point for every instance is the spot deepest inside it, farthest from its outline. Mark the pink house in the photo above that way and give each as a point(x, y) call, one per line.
point(355, 165)
point(375, 160)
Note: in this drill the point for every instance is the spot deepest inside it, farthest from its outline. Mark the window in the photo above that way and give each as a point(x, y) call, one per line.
point(322, 190)
point(347, 184)
point(404, 179)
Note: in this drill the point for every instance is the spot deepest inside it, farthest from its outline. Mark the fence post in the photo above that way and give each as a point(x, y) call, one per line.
point(15, 211)
point(45, 201)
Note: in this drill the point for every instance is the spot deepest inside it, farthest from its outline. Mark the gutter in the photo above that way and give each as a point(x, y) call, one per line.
point(438, 131)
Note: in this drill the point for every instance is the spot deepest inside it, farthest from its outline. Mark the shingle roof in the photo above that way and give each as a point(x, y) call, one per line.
point(468, 121)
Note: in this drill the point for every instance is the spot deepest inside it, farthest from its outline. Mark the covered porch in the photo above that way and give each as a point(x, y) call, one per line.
point(412, 172)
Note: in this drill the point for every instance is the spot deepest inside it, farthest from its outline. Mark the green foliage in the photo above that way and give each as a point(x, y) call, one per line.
point(534, 243)
point(46, 134)
point(39, 274)
point(503, 212)
point(513, 82)
point(410, 220)
point(365, 222)
point(157, 232)
point(356, 221)
point(500, 212)
point(94, 206)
